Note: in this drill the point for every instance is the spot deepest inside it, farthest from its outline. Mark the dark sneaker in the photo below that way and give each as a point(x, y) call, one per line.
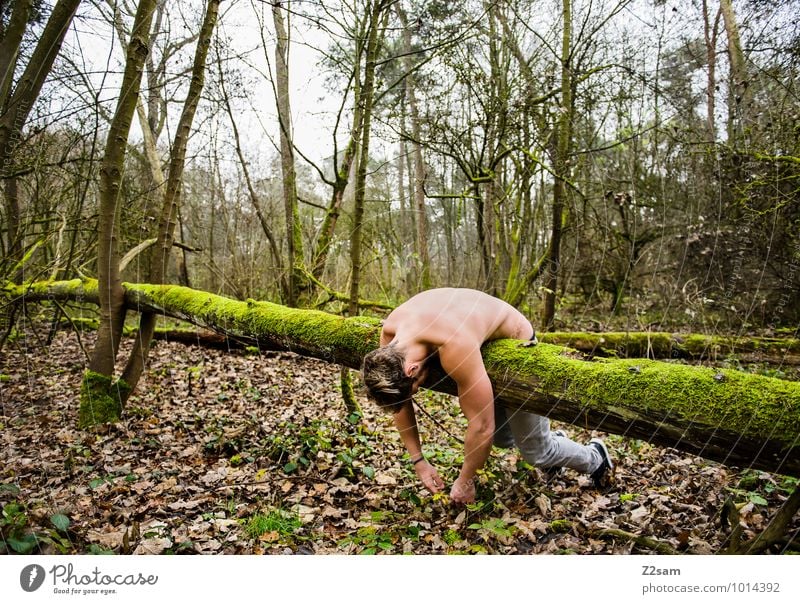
point(554, 471)
point(602, 476)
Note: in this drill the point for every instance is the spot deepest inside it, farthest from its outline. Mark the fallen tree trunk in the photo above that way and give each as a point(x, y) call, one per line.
point(724, 415)
point(696, 347)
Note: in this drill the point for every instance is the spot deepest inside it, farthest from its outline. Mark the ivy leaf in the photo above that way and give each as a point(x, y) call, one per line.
point(24, 545)
point(60, 521)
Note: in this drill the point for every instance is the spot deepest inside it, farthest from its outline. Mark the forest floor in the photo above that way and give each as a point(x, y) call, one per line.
point(241, 453)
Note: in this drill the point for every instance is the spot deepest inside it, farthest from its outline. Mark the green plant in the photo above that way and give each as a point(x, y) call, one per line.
point(755, 486)
point(278, 521)
point(368, 540)
point(298, 445)
point(492, 528)
point(17, 535)
point(14, 531)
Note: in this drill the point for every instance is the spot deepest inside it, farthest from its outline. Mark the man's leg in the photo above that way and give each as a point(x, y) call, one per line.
point(503, 437)
point(541, 448)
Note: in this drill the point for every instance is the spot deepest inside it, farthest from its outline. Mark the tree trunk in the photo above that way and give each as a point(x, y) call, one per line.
point(562, 150)
point(483, 243)
point(100, 397)
point(423, 252)
point(741, 96)
point(293, 232)
point(710, 32)
point(366, 98)
point(366, 102)
point(10, 42)
point(724, 415)
point(15, 107)
point(169, 211)
point(342, 177)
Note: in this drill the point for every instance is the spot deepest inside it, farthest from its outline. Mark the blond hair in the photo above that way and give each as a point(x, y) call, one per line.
point(383, 372)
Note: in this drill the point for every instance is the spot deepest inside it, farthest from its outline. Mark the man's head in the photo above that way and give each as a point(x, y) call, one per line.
point(389, 380)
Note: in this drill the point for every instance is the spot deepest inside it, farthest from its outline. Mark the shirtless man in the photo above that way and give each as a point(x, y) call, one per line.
point(453, 324)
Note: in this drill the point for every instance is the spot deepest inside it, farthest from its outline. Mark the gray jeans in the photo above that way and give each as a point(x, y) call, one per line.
point(540, 447)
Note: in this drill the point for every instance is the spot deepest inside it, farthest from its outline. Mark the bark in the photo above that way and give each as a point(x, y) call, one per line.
point(10, 42)
point(293, 232)
point(169, 211)
point(741, 97)
point(16, 107)
point(152, 160)
point(562, 151)
point(710, 32)
point(423, 252)
point(366, 100)
point(100, 400)
point(328, 228)
point(724, 415)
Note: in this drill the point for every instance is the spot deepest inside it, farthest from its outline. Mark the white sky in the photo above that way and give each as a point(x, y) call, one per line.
point(101, 57)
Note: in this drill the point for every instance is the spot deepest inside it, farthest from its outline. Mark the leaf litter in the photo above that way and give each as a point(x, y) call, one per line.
point(241, 453)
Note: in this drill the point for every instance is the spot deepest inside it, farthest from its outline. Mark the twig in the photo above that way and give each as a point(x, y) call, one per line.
point(649, 542)
point(74, 328)
point(774, 533)
point(437, 422)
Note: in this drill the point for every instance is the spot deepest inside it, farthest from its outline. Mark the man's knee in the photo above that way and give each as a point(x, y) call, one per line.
point(540, 452)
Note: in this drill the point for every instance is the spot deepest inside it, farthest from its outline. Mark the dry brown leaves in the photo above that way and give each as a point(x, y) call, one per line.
point(239, 453)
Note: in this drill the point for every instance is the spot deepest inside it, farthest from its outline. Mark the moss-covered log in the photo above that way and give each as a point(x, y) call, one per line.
point(724, 415)
point(696, 347)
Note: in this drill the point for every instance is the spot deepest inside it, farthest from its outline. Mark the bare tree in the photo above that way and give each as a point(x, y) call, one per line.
point(740, 100)
point(18, 99)
point(294, 236)
point(563, 145)
point(418, 177)
point(101, 396)
point(710, 33)
point(378, 12)
point(172, 198)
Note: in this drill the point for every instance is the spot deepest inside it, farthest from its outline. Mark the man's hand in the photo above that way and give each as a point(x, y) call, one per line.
point(463, 492)
point(429, 477)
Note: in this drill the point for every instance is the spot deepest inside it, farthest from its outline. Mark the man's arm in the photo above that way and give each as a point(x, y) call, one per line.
point(475, 395)
point(405, 421)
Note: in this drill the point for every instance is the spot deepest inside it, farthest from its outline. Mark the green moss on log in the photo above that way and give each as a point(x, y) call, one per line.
point(320, 334)
point(662, 345)
point(100, 399)
point(725, 415)
point(753, 406)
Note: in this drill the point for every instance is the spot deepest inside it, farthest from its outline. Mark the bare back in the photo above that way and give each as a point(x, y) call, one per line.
point(438, 317)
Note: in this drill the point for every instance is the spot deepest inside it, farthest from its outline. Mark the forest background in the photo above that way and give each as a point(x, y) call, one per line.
point(636, 169)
